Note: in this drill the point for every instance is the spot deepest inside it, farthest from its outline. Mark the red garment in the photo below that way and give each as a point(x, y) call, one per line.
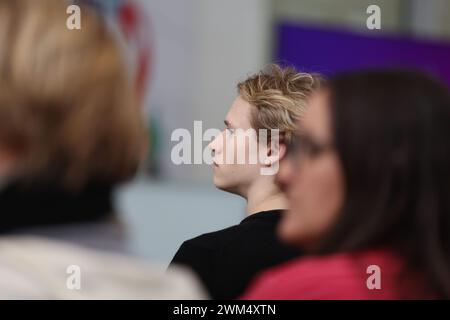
point(338, 276)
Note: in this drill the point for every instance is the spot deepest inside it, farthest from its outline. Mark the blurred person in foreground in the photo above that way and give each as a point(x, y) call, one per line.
point(227, 260)
point(369, 187)
point(70, 131)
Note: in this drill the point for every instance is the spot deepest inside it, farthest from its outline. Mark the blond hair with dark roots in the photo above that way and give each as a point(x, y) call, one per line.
point(279, 97)
point(67, 106)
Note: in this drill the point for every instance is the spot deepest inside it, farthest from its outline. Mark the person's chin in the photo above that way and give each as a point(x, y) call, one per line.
point(219, 183)
point(222, 185)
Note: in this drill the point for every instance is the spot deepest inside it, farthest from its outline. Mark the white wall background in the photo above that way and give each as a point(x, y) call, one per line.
point(202, 48)
point(159, 217)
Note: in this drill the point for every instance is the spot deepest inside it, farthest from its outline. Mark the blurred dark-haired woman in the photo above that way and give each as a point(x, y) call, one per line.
point(369, 188)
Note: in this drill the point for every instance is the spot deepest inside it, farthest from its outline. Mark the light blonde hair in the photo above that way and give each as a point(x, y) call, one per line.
point(66, 103)
point(279, 97)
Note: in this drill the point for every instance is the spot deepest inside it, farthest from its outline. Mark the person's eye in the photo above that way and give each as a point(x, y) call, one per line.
point(294, 146)
point(307, 146)
point(310, 147)
point(314, 149)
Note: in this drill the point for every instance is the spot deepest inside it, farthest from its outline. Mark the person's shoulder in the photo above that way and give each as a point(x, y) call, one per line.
point(215, 239)
point(320, 277)
point(201, 252)
point(105, 275)
point(249, 228)
point(337, 264)
point(303, 271)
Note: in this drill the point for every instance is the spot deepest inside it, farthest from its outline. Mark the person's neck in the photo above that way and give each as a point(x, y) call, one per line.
point(264, 199)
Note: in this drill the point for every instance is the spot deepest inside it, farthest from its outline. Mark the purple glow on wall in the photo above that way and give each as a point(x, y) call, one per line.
point(329, 51)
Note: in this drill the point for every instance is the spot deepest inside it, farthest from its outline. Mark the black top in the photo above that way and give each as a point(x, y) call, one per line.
point(227, 260)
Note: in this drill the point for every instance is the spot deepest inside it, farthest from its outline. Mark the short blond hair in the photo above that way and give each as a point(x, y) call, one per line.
point(279, 97)
point(67, 106)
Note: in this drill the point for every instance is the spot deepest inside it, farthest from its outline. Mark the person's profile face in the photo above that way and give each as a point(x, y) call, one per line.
point(231, 174)
point(312, 177)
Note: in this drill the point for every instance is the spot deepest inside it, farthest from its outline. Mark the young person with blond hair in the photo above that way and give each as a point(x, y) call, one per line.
point(269, 104)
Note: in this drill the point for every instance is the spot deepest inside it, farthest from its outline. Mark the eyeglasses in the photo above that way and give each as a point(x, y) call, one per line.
point(304, 145)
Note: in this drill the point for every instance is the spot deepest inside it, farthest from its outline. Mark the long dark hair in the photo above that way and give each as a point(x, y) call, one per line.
point(392, 135)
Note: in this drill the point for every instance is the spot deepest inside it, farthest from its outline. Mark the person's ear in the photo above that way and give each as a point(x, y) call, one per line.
point(275, 153)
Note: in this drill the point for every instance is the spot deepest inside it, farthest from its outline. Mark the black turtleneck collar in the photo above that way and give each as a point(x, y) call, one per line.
point(34, 206)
